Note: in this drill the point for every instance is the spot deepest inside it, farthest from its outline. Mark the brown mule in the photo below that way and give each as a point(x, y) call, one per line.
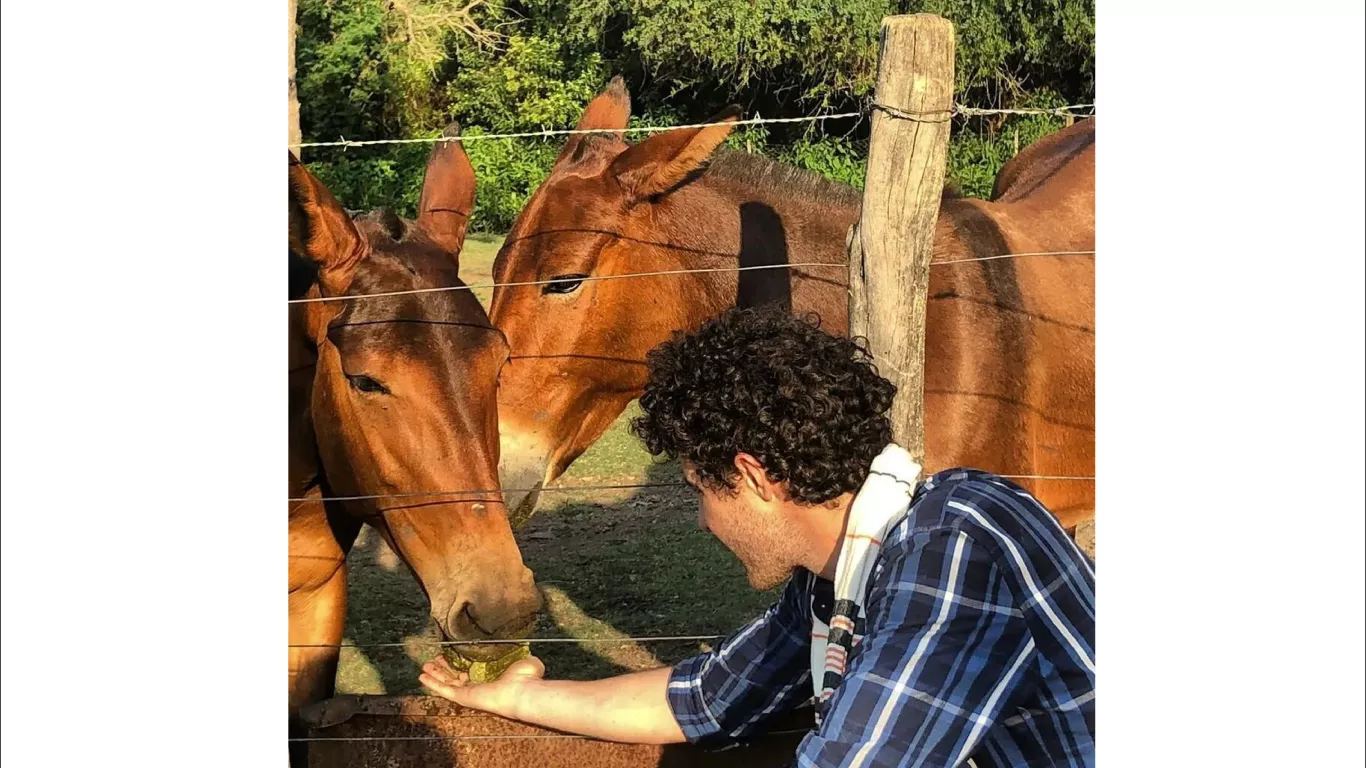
point(392, 396)
point(1010, 344)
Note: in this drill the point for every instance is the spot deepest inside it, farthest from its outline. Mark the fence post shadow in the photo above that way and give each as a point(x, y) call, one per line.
point(763, 243)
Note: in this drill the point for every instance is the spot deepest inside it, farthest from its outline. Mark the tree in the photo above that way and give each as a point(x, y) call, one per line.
point(296, 135)
point(373, 69)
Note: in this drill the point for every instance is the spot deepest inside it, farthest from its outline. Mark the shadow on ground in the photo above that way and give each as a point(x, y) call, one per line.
point(613, 565)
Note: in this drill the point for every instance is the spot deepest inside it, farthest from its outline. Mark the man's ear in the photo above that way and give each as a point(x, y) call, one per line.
point(754, 477)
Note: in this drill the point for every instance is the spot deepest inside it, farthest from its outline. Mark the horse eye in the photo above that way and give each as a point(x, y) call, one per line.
point(367, 385)
point(564, 284)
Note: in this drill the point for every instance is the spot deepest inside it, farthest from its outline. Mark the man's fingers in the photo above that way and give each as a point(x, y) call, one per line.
point(455, 693)
point(444, 674)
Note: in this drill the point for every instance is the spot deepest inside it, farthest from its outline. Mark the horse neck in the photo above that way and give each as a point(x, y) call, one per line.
point(724, 222)
point(305, 470)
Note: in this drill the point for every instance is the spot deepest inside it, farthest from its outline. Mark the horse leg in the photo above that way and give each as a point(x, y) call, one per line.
point(317, 615)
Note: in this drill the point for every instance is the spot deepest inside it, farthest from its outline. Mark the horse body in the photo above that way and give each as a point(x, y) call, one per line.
point(394, 397)
point(1009, 374)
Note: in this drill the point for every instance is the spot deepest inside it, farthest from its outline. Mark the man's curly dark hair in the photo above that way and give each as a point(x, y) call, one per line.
point(808, 405)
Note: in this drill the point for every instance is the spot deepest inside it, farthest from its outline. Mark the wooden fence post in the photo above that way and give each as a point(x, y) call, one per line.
point(889, 248)
point(296, 136)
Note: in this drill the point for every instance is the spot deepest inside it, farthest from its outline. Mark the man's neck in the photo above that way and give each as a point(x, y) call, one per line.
point(820, 532)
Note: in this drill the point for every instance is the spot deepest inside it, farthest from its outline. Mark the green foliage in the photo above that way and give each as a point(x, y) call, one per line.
point(976, 158)
point(373, 69)
point(532, 83)
point(362, 180)
point(823, 47)
point(838, 159)
point(508, 171)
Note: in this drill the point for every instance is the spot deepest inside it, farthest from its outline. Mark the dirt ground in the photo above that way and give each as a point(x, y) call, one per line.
point(613, 565)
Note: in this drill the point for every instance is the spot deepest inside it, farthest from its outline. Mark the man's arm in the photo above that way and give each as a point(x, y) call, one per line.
point(945, 650)
point(628, 708)
point(715, 698)
point(724, 697)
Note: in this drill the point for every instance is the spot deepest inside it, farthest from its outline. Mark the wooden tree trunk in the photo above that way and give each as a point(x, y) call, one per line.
point(296, 135)
point(889, 249)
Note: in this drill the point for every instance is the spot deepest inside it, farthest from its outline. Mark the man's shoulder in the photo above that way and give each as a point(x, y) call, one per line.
point(988, 508)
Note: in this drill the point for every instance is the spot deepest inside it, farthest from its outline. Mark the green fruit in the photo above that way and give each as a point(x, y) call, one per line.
point(487, 671)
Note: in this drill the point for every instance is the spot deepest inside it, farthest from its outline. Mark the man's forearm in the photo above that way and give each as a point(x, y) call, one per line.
point(628, 708)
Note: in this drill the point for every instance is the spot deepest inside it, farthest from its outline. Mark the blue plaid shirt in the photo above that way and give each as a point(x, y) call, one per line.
point(978, 646)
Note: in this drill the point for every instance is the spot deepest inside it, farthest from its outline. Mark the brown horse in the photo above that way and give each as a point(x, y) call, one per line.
point(1009, 379)
point(394, 397)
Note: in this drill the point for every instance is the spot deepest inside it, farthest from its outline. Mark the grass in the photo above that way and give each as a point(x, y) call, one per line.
point(476, 262)
point(612, 564)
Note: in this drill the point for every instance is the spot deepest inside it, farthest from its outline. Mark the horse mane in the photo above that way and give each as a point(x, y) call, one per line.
point(760, 171)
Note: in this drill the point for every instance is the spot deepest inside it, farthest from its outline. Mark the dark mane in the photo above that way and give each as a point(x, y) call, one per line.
point(382, 219)
point(759, 171)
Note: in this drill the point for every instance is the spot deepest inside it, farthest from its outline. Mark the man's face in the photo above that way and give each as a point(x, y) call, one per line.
point(750, 527)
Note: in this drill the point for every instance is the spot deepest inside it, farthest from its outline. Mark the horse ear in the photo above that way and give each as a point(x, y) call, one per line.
point(320, 231)
point(447, 193)
point(611, 109)
point(661, 162)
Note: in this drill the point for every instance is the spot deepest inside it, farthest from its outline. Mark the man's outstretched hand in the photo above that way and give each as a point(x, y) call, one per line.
point(631, 708)
point(500, 696)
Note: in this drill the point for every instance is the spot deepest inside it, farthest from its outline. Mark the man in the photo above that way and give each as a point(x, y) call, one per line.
point(938, 623)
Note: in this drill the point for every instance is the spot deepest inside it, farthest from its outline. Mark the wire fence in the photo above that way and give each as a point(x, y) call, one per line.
point(662, 273)
point(1072, 110)
point(957, 110)
point(576, 489)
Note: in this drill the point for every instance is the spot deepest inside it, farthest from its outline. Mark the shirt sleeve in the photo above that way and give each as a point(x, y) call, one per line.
point(945, 649)
point(722, 698)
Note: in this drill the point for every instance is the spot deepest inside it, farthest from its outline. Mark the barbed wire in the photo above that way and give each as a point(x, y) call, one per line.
point(1012, 256)
point(1067, 111)
point(661, 273)
point(958, 109)
point(343, 142)
point(944, 115)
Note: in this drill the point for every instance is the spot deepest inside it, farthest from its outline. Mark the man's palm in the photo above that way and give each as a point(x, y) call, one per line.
point(497, 696)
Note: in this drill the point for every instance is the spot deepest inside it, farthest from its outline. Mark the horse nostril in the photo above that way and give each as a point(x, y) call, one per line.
point(467, 613)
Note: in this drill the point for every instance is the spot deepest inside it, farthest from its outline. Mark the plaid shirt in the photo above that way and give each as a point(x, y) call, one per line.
point(978, 646)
